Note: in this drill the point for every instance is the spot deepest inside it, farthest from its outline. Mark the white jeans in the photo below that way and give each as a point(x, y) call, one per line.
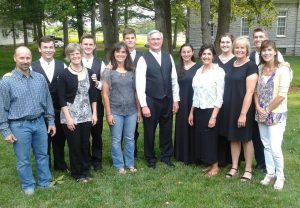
point(271, 137)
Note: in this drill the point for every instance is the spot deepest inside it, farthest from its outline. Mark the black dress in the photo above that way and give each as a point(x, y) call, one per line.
point(184, 133)
point(224, 153)
point(234, 93)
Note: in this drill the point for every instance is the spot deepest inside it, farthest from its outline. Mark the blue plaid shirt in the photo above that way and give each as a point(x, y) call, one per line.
point(24, 97)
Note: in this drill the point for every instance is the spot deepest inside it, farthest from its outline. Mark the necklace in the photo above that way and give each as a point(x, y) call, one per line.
point(77, 71)
point(240, 63)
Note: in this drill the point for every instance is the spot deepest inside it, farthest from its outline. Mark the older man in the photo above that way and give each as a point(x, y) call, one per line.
point(158, 93)
point(25, 104)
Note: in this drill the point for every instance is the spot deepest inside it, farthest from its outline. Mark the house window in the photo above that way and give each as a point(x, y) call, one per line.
point(244, 27)
point(281, 23)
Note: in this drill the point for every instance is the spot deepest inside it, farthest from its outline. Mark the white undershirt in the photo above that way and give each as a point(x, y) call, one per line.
point(88, 63)
point(141, 70)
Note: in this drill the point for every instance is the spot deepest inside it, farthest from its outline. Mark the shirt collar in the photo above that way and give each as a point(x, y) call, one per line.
point(43, 61)
point(155, 53)
point(20, 75)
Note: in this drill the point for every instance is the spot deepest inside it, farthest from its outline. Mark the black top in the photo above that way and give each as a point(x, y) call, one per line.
point(68, 85)
point(226, 66)
point(234, 93)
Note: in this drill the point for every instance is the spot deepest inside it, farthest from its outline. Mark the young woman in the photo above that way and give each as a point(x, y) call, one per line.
point(184, 148)
point(208, 85)
point(225, 60)
point(77, 97)
point(238, 110)
point(271, 110)
point(122, 107)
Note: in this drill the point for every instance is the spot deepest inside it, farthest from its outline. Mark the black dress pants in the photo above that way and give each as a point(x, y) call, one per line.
point(161, 113)
point(58, 145)
point(78, 141)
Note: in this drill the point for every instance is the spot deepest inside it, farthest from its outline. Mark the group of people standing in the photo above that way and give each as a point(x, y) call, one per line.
point(234, 102)
point(213, 101)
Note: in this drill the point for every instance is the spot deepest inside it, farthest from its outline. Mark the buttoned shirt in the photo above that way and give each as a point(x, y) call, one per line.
point(208, 88)
point(24, 97)
point(48, 68)
point(141, 70)
point(133, 54)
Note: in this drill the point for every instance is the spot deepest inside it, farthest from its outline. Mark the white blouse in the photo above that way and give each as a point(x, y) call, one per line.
point(208, 88)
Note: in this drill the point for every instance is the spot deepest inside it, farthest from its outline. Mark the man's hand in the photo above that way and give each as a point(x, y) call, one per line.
point(10, 139)
point(51, 130)
point(146, 112)
point(175, 107)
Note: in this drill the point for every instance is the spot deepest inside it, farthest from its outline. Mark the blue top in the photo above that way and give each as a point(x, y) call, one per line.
point(24, 97)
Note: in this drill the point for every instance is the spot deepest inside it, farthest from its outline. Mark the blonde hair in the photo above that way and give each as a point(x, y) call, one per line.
point(242, 39)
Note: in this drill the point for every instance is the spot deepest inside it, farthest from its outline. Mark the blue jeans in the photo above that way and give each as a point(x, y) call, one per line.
point(126, 125)
point(31, 134)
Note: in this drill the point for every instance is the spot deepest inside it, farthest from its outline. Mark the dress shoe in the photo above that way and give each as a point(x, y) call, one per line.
point(169, 163)
point(152, 165)
point(261, 167)
point(97, 168)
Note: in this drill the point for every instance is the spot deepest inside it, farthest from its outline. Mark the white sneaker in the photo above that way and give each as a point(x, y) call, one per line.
point(29, 191)
point(279, 183)
point(267, 179)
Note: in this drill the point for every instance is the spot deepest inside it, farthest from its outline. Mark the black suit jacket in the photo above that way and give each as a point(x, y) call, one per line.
point(59, 67)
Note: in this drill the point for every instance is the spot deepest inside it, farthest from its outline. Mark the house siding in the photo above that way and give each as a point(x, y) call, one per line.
point(290, 43)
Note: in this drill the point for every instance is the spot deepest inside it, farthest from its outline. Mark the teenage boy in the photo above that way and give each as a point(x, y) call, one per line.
point(50, 69)
point(88, 45)
point(129, 38)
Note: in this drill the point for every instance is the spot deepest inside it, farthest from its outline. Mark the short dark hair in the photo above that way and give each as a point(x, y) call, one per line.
point(87, 36)
point(260, 29)
point(128, 31)
point(207, 46)
point(45, 39)
point(128, 62)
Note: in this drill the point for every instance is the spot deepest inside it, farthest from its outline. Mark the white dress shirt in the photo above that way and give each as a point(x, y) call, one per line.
point(133, 54)
point(208, 88)
point(48, 68)
point(141, 70)
point(88, 63)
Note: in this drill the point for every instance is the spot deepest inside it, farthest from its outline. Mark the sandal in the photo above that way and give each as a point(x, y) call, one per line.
point(244, 178)
point(230, 175)
point(268, 179)
point(212, 172)
point(279, 183)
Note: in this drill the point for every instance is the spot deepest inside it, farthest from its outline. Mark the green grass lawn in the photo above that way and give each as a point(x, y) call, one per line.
point(185, 186)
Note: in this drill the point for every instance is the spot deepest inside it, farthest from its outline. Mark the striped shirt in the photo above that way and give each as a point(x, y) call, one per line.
point(24, 97)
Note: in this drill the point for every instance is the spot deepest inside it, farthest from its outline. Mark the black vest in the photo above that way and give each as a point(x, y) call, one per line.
point(96, 68)
point(252, 56)
point(136, 58)
point(158, 78)
point(59, 66)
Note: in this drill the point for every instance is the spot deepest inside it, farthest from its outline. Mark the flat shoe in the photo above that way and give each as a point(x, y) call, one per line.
point(268, 179)
point(279, 183)
point(244, 178)
point(122, 171)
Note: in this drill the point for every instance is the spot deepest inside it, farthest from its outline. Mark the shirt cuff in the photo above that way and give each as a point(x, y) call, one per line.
point(51, 121)
point(6, 132)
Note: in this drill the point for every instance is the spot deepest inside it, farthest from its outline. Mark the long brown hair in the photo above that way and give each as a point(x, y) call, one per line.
point(181, 70)
point(128, 62)
point(265, 44)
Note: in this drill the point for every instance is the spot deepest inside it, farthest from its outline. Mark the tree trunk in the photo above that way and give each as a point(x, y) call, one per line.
point(93, 20)
point(13, 32)
point(80, 30)
point(65, 33)
point(107, 26)
point(163, 22)
point(126, 14)
point(39, 28)
point(115, 18)
point(205, 21)
point(187, 29)
point(25, 35)
point(35, 35)
point(224, 15)
point(175, 34)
